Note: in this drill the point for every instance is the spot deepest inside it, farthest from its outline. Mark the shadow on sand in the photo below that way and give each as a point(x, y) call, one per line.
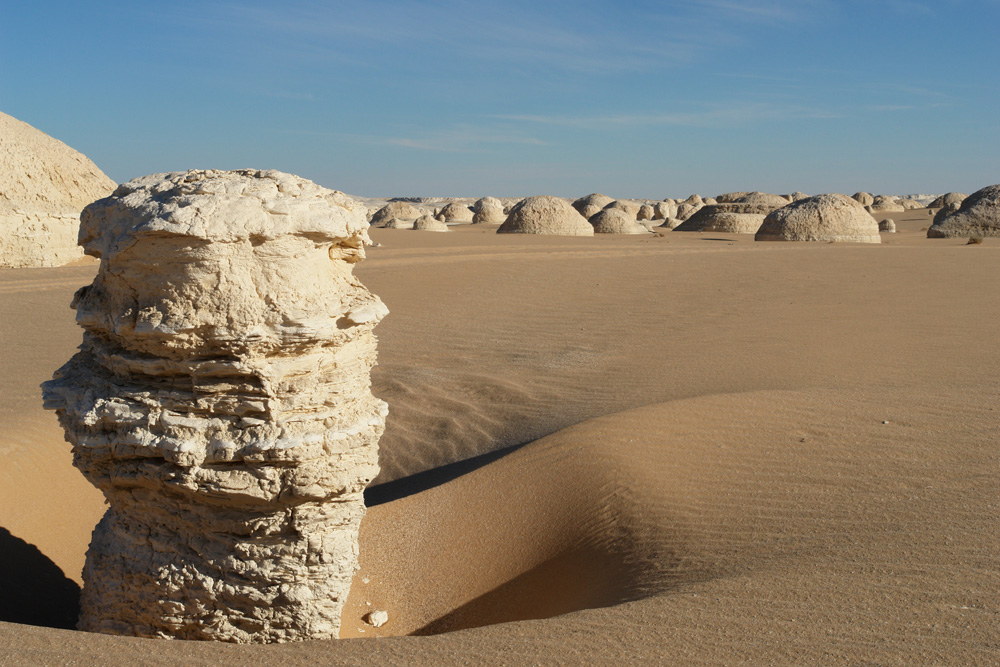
point(33, 590)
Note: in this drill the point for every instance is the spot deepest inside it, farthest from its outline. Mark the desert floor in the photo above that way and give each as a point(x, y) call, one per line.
point(685, 449)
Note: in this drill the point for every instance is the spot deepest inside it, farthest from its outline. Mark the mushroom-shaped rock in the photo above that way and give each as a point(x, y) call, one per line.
point(613, 221)
point(427, 223)
point(221, 402)
point(886, 204)
point(863, 198)
point(829, 217)
point(44, 184)
point(394, 209)
point(591, 204)
point(455, 212)
point(545, 215)
point(978, 215)
point(887, 225)
point(946, 199)
point(646, 212)
point(489, 211)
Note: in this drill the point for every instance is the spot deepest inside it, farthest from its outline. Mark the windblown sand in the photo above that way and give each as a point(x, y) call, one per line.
point(684, 449)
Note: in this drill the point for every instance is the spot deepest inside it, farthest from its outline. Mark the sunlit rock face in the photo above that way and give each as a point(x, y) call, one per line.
point(221, 401)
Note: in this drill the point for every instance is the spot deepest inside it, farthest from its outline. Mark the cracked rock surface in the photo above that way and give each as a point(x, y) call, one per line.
point(221, 401)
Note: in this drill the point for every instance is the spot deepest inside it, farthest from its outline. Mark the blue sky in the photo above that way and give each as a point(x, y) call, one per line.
point(460, 98)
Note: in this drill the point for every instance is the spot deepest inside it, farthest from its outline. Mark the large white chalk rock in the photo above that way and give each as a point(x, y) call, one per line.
point(828, 217)
point(590, 204)
point(978, 215)
point(545, 215)
point(44, 184)
point(221, 401)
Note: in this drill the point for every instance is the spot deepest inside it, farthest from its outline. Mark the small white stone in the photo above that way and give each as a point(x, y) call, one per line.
point(377, 618)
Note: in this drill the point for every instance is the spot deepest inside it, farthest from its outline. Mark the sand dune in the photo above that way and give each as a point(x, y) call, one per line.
point(688, 448)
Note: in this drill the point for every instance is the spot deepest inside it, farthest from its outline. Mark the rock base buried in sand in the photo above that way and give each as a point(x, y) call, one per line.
point(221, 401)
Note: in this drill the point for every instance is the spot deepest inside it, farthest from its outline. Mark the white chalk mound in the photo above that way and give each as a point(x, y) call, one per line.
point(545, 215)
point(428, 223)
point(488, 211)
point(741, 213)
point(221, 401)
point(44, 184)
point(886, 204)
point(455, 212)
point(829, 217)
point(948, 199)
point(589, 205)
point(978, 215)
point(614, 221)
point(394, 209)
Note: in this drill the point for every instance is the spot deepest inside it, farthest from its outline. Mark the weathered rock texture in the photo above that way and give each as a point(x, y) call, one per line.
point(455, 212)
point(616, 221)
point(394, 209)
point(591, 204)
point(947, 199)
point(489, 212)
point(221, 401)
point(545, 215)
point(978, 215)
point(742, 213)
point(886, 204)
point(830, 217)
point(44, 184)
point(429, 224)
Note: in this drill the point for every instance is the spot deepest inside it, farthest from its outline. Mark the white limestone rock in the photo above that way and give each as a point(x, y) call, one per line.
point(978, 215)
point(589, 205)
point(545, 215)
point(394, 209)
point(614, 221)
point(221, 401)
point(828, 217)
point(44, 184)
point(429, 224)
point(455, 212)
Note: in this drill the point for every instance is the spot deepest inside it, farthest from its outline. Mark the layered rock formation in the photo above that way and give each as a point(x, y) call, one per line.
point(545, 215)
point(741, 213)
point(829, 217)
point(44, 184)
point(978, 215)
point(221, 401)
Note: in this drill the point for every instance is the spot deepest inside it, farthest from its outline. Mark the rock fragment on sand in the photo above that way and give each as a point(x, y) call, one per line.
point(377, 618)
point(221, 401)
point(978, 215)
point(44, 184)
point(828, 217)
point(887, 225)
point(545, 215)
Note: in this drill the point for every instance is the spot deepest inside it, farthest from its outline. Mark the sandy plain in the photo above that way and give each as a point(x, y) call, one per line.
point(666, 449)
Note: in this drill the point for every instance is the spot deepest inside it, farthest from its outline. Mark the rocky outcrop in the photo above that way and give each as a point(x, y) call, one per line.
point(545, 215)
point(629, 208)
point(948, 199)
point(614, 221)
point(394, 209)
point(589, 205)
point(743, 213)
point(221, 401)
point(863, 198)
point(978, 215)
point(488, 211)
point(44, 184)
point(830, 217)
point(646, 212)
point(886, 204)
point(455, 212)
point(427, 223)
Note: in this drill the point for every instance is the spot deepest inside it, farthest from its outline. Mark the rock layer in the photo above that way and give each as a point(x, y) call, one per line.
point(44, 184)
point(221, 401)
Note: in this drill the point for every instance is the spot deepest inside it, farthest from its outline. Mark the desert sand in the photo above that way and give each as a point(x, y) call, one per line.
point(667, 449)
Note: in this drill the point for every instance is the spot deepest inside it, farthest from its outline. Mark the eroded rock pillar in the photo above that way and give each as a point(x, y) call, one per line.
point(221, 401)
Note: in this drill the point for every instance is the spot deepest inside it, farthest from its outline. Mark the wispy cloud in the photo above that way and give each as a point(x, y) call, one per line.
point(718, 116)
